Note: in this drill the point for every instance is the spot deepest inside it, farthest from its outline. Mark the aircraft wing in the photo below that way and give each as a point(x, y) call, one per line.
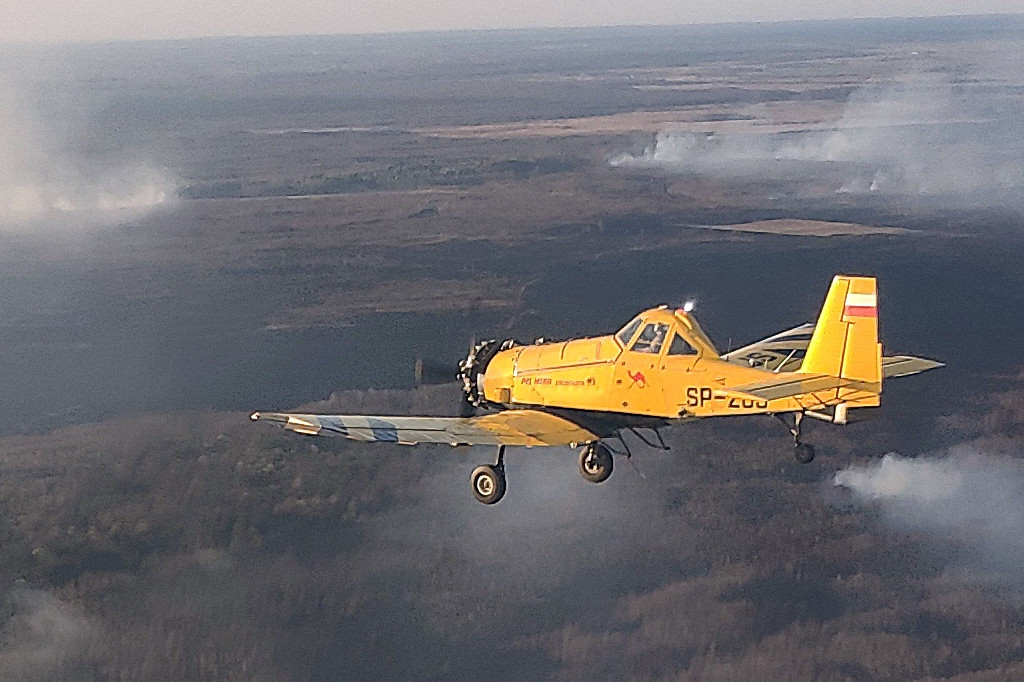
point(511, 427)
point(782, 352)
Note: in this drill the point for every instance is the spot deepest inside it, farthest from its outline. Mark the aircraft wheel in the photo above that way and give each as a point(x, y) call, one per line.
point(488, 483)
point(596, 463)
point(804, 453)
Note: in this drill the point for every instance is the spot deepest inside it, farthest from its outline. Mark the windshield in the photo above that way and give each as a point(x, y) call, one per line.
point(627, 332)
point(651, 339)
point(680, 346)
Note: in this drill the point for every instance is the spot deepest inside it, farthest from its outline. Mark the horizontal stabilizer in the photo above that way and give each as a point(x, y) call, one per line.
point(793, 384)
point(784, 352)
point(905, 365)
point(512, 427)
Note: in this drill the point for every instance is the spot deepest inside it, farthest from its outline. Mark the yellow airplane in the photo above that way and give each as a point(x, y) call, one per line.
point(658, 370)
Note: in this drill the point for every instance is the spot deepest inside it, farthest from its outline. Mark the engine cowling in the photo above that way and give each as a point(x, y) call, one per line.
point(473, 369)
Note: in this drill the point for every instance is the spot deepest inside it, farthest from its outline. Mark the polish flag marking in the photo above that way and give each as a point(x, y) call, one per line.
point(861, 305)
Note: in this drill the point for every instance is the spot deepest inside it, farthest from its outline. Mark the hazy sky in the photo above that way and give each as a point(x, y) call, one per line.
point(73, 20)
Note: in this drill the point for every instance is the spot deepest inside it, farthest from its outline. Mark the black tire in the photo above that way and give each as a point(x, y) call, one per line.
point(488, 483)
point(804, 453)
point(596, 463)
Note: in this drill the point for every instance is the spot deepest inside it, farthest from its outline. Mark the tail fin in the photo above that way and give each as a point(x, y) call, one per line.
point(845, 340)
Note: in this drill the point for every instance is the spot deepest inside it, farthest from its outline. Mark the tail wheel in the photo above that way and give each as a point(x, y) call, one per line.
point(488, 483)
point(596, 463)
point(804, 453)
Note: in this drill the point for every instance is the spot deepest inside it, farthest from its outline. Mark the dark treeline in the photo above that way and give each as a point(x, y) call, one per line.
point(200, 546)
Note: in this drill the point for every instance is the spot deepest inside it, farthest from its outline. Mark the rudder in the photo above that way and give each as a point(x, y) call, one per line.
point(845, 340)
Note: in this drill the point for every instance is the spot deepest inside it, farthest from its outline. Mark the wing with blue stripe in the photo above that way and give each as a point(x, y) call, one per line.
point(512, 427)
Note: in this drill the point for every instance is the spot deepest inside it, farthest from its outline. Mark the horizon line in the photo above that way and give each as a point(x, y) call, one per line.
point(513, 29)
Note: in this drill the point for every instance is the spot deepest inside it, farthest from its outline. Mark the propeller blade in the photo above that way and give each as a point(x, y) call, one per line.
point(466, 408)
point(434, 372)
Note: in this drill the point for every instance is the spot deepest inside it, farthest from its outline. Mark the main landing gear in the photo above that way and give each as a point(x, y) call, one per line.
point(489, 480)
point(802, 452)
point(596, 462)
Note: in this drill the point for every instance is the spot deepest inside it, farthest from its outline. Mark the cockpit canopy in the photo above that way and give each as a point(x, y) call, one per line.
point(658, 330)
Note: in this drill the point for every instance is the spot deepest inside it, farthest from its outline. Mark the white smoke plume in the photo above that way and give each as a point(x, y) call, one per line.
point(923, 135)
point(972, 500)
point(43, 176)
point(46, 639)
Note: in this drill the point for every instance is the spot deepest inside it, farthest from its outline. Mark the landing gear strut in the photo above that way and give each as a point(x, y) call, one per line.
point(488, 480)
point(596, 462)
point(802, 452)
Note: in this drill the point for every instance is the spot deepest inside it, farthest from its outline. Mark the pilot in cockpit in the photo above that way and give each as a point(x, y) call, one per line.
point(651, 339)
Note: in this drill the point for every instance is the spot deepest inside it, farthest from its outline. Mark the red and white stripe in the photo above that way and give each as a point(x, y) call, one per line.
point(861, 305)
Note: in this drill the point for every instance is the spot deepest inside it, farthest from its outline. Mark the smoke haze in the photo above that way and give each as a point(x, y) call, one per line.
point(923, 134)
point(970, 499)
point(45, 638)
point(44, 174)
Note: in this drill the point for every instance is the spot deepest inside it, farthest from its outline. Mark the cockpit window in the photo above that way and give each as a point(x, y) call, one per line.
point(627, 332)
point(651, 339)
point(679, 346)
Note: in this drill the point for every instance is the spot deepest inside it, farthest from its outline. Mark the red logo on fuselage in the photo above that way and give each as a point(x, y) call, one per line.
point(638, 379)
